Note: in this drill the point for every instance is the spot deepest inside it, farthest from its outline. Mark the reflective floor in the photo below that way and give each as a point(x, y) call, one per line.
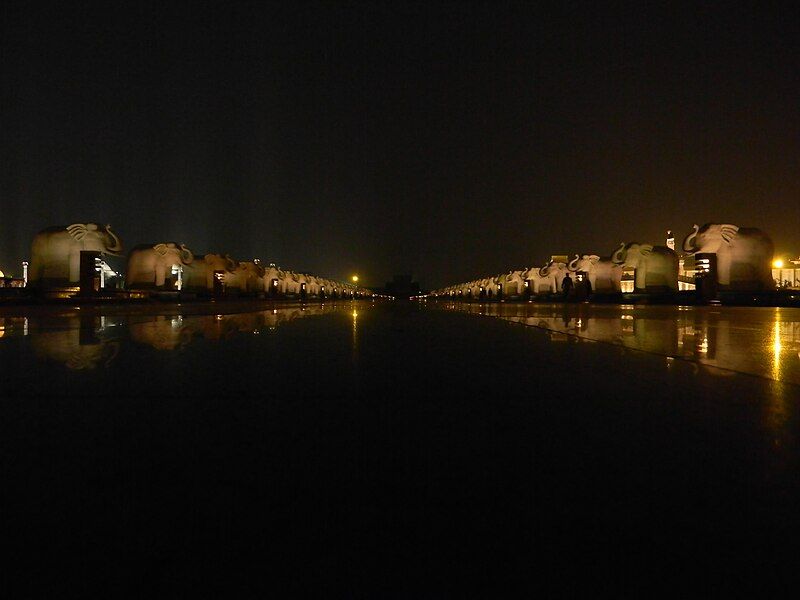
point(759, 341)
point(397, 450)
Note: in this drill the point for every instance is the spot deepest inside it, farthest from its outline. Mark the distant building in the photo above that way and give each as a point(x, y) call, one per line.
point(786, 273)
point(402, 286)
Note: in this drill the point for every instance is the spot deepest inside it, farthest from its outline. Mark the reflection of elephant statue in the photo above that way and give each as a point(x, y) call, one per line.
point(151, 265)
point(551, 275)
point(67, 348)
point(604, 276)
point(744, 255)
point(655, 267)
point(163, 333)
point(201, 273)
point(56, 252)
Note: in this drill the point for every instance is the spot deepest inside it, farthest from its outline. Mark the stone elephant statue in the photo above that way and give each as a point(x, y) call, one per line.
point(274, 280)
point(201, 274)
point(744, 255)
point(551, 276)
point(655, 268)
point(249, 277)
point(604, 276)
point(513, 283)
point(151, 264)
point(56, 252)
point(291, 282)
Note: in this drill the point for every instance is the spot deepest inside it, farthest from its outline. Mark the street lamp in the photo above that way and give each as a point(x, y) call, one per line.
point(355, 278)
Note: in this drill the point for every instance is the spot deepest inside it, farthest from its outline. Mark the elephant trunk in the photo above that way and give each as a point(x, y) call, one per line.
point(545, 270)
point(116, 246)
point(688, 243)
point(573, 264)
point(619, 256)
point(186, 255)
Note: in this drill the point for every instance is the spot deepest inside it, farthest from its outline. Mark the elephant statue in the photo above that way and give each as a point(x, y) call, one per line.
point(744, 255)
point(604, 276)
point(551, 276)
point(655, 268)
point(249, 277)
point(203, 273)
point(291, 282)
point(532, 279)
point(489, 286)
point(151, 265)
point(56, 252)
point(274, 280)
point(513, 283)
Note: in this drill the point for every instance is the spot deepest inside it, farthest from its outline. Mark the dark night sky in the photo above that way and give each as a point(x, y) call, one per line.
point(450, 142)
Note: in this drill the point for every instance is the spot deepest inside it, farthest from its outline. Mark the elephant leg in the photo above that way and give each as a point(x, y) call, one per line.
point(723, 269)
point(640, 277)
point(160, 275)
point(75, 266)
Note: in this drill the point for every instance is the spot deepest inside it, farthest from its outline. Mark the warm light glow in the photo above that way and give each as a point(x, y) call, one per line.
point(2, 274)
point(355, 278)
point(776, 349)
point(777, 263)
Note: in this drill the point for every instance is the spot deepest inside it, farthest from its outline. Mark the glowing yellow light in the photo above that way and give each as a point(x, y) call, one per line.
point(778, 263)
point(355, 278)
point(2, 274)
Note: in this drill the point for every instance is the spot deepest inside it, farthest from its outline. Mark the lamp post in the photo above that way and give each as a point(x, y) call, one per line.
point(178, 270)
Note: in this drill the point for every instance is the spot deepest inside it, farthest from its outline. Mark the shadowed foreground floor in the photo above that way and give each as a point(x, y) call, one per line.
point(373, 451)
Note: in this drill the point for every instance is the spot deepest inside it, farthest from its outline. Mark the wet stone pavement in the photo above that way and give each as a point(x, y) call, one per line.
point(398, 450)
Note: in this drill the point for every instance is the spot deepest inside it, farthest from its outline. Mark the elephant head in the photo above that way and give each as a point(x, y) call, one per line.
point(230, 263)
point(709, 238)
point(92, 237)
point(744, 254)
point(151, 264)
point(181, 252)
point(631, 254)
point(583, 263)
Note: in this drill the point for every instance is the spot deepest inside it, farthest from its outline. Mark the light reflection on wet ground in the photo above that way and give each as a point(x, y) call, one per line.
point(396, 450)
point(88, 338)
point(758, 341)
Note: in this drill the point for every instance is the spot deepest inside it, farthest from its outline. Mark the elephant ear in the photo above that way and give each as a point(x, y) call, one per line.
point(161, 249)
point(77, 231)
point(646, 249)
point(593, 258)
point(729, 232)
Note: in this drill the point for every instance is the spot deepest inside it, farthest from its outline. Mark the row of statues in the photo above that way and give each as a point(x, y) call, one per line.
point(56, 262)
point(737, 258)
